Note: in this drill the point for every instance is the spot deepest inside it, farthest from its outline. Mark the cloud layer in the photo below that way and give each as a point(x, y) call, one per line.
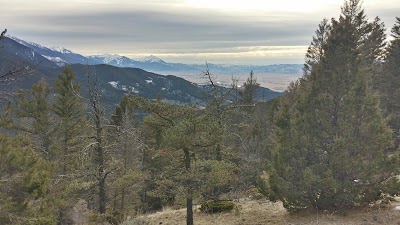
point(258, 32)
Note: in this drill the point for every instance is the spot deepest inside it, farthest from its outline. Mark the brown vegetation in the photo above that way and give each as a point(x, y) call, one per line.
point(260, 212)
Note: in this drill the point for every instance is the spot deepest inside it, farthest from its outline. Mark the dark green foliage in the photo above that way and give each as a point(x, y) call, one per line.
point(127, 158)
point(69, 109)
point(315, 50)
point(33, 110)
point(330, 137)
point(388, 82)
point(217, 206)
point(184, 140)
point(24, 179)
point(249, 90)
point(246, 130)
point(69, 128)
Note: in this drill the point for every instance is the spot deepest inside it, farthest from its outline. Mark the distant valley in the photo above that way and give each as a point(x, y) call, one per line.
point(276, 77)
point(116, 76)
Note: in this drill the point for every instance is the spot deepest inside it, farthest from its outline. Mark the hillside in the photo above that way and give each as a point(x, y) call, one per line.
point(114, 81)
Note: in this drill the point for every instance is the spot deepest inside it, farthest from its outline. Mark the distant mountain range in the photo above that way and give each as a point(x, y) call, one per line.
point(277, 76)
point(114, 81)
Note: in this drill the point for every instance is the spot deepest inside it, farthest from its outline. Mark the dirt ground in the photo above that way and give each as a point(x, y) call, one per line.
point(261, 212)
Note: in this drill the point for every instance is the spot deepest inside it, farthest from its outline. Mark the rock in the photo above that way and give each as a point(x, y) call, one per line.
point(397, 208)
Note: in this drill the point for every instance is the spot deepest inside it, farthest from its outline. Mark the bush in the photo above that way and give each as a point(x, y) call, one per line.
point(115, 218)
point(217, 206)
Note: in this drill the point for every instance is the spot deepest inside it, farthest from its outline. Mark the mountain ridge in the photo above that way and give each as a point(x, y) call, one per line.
point(267, 73)
point(114, 82)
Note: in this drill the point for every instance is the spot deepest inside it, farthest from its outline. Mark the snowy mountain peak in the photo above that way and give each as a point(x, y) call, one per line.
point(151, 59)
point(106, 58)
point(61, 49)
point(25, 43)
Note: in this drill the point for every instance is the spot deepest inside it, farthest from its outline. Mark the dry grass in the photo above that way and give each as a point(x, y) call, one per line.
point(252, 212)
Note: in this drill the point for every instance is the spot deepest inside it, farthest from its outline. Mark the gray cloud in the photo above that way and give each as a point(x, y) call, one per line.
point(149, 28)
point(155, 27)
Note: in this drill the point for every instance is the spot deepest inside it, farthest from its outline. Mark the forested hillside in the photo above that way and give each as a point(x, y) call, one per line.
point(330, 143)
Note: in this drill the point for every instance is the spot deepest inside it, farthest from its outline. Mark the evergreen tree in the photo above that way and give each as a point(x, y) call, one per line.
point(191, 136)
point(24, 179)
point(315, 51)
point(388, 83)
point(68, 107)
point(330, 136)
point(34, 112)
point(128, 156)
point(249, 90)
point(69, 128)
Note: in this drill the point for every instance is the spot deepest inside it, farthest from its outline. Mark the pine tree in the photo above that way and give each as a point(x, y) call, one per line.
point(248, 93)
point(388, 83)
point(315, 51)
point(69, 128)
point(330, 136)
point(24, 178)
point(69, 109)
point(33, 110)
point(186, 138)
point(128, 156)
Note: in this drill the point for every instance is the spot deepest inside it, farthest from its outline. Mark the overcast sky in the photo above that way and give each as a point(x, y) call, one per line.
point(188, 31)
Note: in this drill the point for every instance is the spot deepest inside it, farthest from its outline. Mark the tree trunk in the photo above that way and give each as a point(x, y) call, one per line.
point(189, 199)
point(102, 196)
point(101, 175)
point(101, 180)
point(189, 210)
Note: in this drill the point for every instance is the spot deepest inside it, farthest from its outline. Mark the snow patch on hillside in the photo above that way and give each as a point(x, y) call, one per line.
point(116, 85)
point(62, 50)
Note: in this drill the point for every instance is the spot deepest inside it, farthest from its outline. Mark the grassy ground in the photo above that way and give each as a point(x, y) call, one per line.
point(252, 212)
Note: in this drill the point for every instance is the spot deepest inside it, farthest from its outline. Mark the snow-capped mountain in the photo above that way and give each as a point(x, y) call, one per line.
point(59, 55)
point(107, 58)
point(57, 60)
point(151, 59)
point(277, 75)
point(112, 59)
point(25, 43)
point(151, 63)
point(15, 54)
point(61, 50)
point(114, 81)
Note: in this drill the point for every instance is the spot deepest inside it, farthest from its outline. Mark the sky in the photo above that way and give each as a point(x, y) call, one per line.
point(257, 32)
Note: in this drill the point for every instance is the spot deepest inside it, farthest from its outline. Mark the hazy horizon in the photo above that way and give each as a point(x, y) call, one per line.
point(256, 32)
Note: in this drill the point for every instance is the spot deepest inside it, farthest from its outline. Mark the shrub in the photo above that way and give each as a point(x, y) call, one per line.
point(217, 206)
point(115, 218)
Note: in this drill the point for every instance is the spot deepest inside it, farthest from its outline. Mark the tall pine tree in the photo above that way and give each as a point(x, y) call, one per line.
point(69, 128)
point(69, 109)
point(34, 112)
point(330, 136)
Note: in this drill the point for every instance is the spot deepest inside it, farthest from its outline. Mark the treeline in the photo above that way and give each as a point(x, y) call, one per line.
point(331, 142)
point(65, 159)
